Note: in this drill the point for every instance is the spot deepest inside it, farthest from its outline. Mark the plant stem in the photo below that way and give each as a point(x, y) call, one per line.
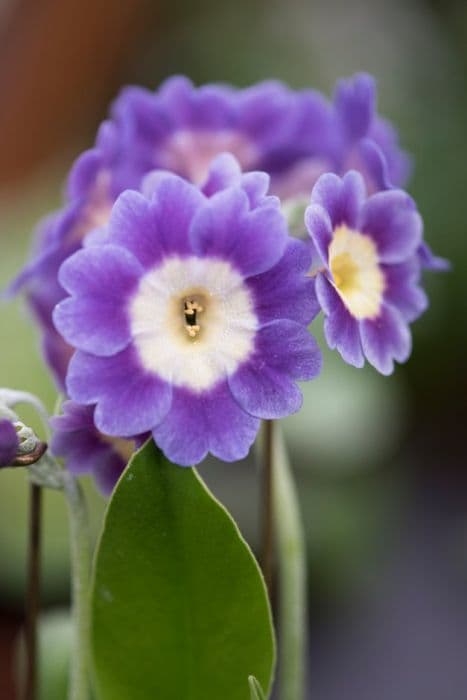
point(292, 576)
point(33, 595)
point(80, 575)
point(267, 506)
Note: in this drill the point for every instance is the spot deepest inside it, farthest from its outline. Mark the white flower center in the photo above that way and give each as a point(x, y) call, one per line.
point(356, 274)
point(193, 321)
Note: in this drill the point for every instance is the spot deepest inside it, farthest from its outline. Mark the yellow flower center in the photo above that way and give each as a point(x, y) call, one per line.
point(356, 273)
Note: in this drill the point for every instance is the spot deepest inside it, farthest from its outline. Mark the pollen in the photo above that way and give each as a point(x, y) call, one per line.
point(191, 309)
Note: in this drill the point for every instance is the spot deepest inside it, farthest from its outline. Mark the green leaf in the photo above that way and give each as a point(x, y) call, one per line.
point(180, 608)
point(256, 692)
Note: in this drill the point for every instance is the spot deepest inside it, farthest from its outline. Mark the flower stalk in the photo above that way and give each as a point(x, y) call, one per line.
point(267, 557)
point(291, 555)
point(33, 597)
point(80, 575)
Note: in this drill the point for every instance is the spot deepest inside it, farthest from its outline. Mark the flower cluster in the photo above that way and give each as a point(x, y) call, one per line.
point(173, 301)
point(293, 136)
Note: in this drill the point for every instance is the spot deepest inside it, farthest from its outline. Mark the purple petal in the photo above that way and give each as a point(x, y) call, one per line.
point(175, 204)
point(8, 443)
point(132, 225)
point(385, 339)
point(342, 198)
point(319, 226)
point(103, 277)
point(355, 101)
point(224, 172)
point(399, 163)
point(429, 261)
point(298, 356)
point(129, 400)
point(256, 186)
point(394, 223)
point(265, 112)
point(340, 327)
point(224, 227)
point(85, 450)
point(207, 422)
point(402, 289)
point(285, 291)
point(374, 165)
point(264, 385)
point(105, 272)
point(263, 392)
point(207, 107)
point(97, 326)
point(84, 173)
point(107, 469)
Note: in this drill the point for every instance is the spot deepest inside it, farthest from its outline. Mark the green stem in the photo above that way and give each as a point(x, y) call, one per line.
point(80, 575)
point(33, 597)
point(267, 554)
point(292, 575)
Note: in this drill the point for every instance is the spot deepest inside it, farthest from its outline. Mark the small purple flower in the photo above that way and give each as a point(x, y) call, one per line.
point(368, 283)
point(179, 314)
point(9, 442)
point(85, 450)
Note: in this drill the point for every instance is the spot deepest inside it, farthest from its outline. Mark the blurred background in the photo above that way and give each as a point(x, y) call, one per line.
point(381, 462)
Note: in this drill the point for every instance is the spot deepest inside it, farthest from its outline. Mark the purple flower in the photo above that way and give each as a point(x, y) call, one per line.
point(368, 283)
point(85, 450)
point(9, 442)
point(179, 314)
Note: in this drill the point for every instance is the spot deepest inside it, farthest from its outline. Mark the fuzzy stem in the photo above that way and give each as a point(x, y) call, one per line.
point(80, 574)
point(33, 596)
point(292, 576)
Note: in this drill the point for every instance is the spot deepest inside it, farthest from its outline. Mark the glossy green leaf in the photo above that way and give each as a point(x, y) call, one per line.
point(256, 692)
point(180, 609)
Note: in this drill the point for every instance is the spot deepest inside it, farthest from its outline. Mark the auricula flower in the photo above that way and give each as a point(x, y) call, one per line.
point(369, 270)
point(189, 316)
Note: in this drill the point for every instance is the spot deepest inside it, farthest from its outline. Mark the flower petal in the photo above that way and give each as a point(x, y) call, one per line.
point(429, 261)
point(129, 400)
point(385, 339)
point(402, 289)
point(340, 328)
point(319, 226)
point(355, 100)
point(299, 357)
point(342, 198)
point(285, 291)
point(392, 220)
point(97, 326)
point(8, 443)
point(264, 392)
point(208, 422)
point(106, 272)
point(175, 203)
point(264, 386)
point(132, 226)
point(252, 241)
